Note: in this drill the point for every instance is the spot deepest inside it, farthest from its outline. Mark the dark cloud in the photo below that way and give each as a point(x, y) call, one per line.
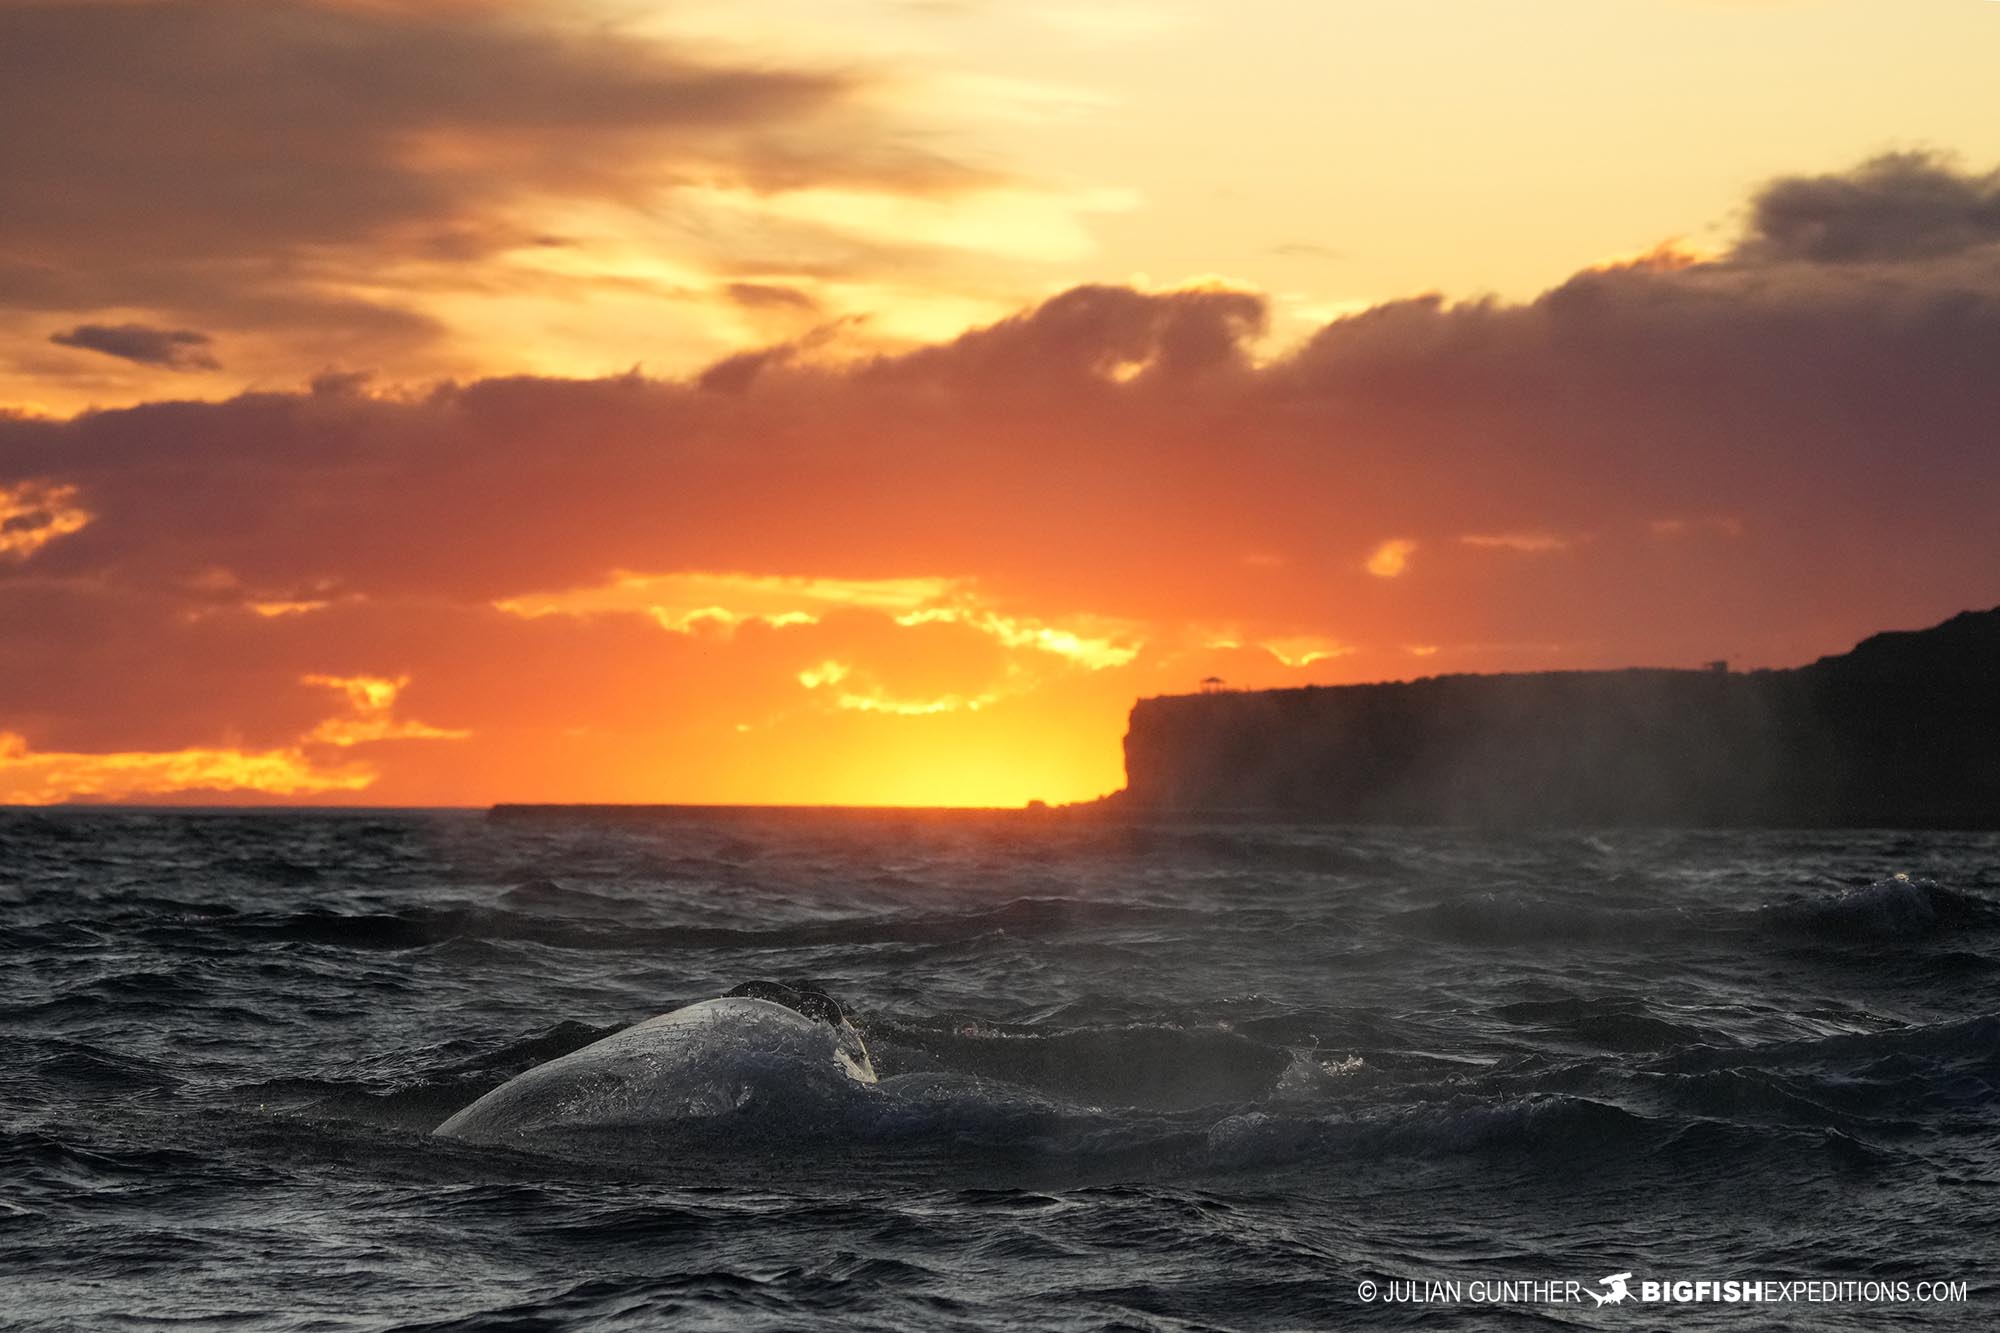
point(1897, 206)
point(1093, 333)
point(334, 383)
point(770, 296)
point(1816, 433)
point(283, 156)
point(174, 349)
point(31, 520)
point(226, 124)
point(733, 374)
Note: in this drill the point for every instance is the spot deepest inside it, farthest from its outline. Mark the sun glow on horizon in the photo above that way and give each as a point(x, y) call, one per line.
point(867, 403)
point(308, 766)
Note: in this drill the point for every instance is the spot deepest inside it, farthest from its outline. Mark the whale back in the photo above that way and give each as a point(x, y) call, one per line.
point(729, 1060)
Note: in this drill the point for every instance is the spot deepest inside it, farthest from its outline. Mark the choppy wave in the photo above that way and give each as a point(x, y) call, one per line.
point(1181, 1075)
point(1896, 908)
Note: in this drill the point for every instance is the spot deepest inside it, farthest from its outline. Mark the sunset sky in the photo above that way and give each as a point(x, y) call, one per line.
point(864, 401)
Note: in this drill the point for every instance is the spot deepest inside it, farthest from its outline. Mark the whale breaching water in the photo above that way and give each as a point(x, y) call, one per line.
point(764, 1049)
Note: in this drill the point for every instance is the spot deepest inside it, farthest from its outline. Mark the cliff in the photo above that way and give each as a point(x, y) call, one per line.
point(1902, 732)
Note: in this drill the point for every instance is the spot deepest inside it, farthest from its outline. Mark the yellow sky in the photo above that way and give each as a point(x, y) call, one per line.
point(1000, 364)
point(1330, 154)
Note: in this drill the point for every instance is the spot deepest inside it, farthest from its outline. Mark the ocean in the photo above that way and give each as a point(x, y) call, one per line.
point(1132, 1076)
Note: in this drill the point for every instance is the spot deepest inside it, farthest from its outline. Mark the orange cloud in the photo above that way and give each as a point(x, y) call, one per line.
point(631, 588)
point(369, 210)
point(856, 691)
point(1391, 558)
point(1529, 543)
point(1722, 526)
point(1095, 651)
point(1303, 650)
point(681, 603)
point(828, 672)
point(286, 608)
point(35, 513)
point(30, 777)
point(372, 698)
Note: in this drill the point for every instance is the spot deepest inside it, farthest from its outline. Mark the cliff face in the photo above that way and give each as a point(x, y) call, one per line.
point(1902, 732)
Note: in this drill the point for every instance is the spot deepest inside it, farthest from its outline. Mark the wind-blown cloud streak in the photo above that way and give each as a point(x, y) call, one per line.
point(345, 183)
point(175, 349)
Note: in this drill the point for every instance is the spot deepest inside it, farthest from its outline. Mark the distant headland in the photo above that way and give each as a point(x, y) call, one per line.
point(1902, 732)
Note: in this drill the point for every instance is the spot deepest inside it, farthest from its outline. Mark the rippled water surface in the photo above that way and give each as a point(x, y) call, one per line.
point(1143, 1077)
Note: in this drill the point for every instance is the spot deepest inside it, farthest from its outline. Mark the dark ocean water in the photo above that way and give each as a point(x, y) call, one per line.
point(1163, 1078)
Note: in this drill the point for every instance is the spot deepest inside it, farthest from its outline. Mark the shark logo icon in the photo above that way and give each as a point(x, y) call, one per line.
point(1615, 1290)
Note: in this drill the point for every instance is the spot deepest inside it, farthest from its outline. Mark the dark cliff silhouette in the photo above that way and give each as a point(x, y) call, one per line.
point(1902, 732)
